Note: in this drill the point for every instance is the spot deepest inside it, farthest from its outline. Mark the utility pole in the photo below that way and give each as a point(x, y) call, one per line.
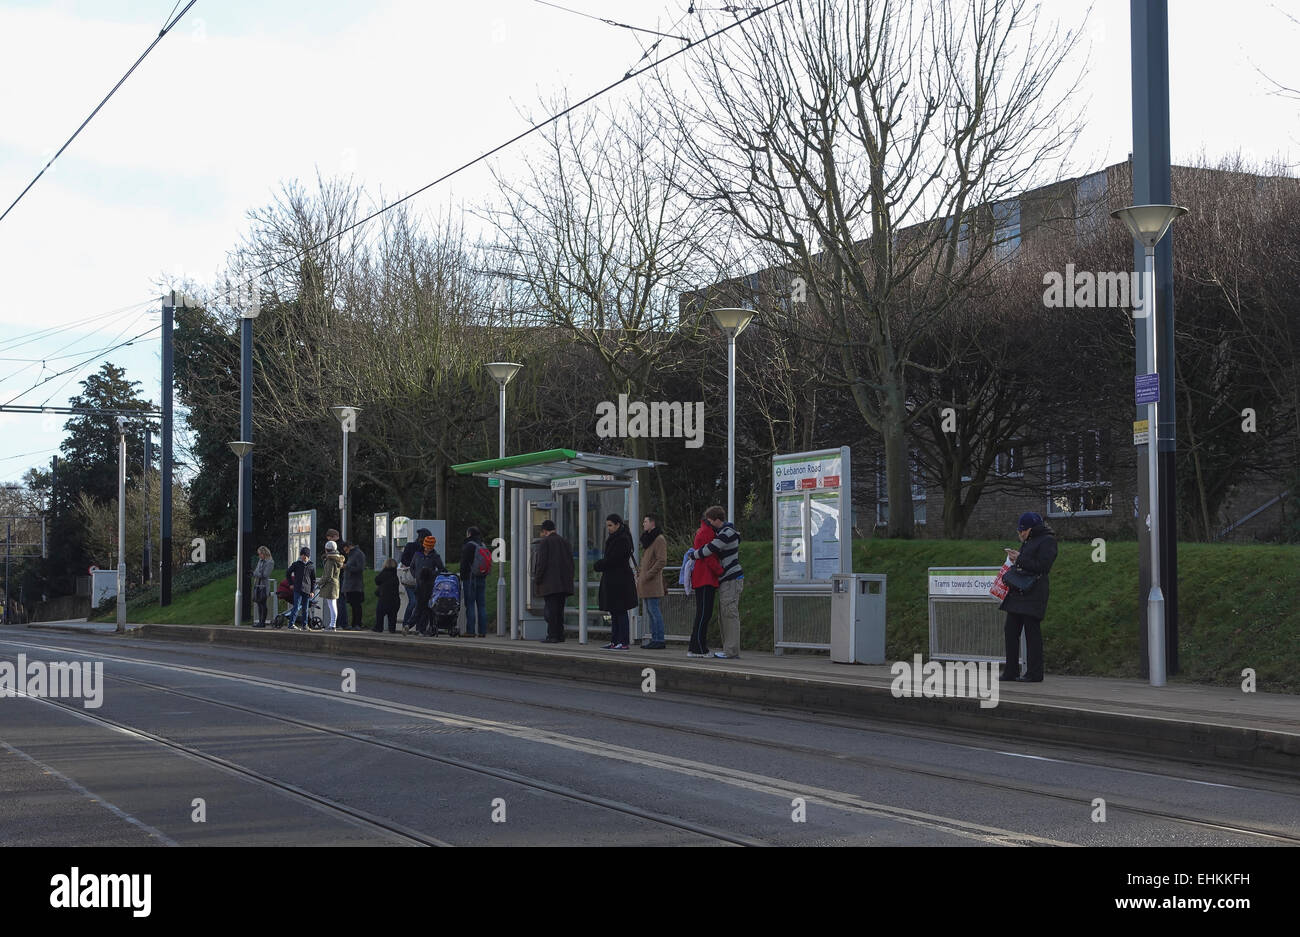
point(1149, 38)
point(168, 309)
point(147, 575)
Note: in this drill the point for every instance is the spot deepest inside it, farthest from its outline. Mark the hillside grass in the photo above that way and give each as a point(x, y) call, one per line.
point(1239, 605)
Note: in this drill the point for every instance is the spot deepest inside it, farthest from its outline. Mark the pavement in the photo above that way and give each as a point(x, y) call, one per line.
point(1223, 726)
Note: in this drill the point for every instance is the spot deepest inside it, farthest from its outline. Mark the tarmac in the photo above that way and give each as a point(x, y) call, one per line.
point(1221, 726)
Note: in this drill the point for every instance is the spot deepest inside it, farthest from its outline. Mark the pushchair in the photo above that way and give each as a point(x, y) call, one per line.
point(285, 591)
point(444, 603)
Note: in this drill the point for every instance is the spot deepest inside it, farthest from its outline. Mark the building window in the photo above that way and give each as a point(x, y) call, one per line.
point(1078, 472)
point(882, 491)
point(1009, 464)
point(1006, 231)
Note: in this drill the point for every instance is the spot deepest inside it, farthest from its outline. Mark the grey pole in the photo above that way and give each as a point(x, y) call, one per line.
point(165, 595)
point(501, 513)
point(147, 573)
point(9, 549)
point(343, 498)
point(731, 425)
point(239, 547)
point(121, 525)
point(246, 463)
point(1156, 598)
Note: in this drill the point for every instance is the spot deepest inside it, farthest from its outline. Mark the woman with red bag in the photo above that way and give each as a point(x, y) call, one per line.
point(1026, 602)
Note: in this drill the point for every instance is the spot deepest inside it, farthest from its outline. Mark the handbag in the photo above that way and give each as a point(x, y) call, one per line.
point(1019, 580)
point(406, 577)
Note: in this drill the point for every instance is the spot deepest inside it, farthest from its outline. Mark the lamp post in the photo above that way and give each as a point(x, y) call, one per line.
point(732, 322)
point(121, 524)
point(502, 372)
point(240, 449)
point(248, 312)
point(1148, 224)
point(347, 417)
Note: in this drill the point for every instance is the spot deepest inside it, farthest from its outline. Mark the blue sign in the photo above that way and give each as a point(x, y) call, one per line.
point(785, 485)
point(1146, 388)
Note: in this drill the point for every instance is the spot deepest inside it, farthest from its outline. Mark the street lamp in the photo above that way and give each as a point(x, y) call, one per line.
point(732, 322)
point(502, 372)
point(121, 524)
point(240, 449)
point(1148, 224)
point(347, 417)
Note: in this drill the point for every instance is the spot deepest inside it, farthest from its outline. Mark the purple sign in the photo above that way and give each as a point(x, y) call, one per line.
point(1146, 388)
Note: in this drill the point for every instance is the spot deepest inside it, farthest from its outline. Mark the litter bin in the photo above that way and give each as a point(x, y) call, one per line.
point(858, 618)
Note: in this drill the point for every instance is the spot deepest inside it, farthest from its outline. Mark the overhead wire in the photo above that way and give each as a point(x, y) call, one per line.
point(533, 128)
point(162, 32)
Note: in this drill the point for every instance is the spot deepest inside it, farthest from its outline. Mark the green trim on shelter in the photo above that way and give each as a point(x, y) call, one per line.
point(542, 468)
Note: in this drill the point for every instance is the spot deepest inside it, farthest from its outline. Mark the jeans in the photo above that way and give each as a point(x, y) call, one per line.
point(703, 612)
point(386, 611)
point(410, 606)
point(475, 593)
point(354, 602)
point(329, 614)
point(301, 600)
point(1033, 645)
point(619, 633)
point(656, 620)
point(341, 611)
point(554, 615)
point(729, 615)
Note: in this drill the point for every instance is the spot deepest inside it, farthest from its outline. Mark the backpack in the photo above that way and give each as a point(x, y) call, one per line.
point(482, 560)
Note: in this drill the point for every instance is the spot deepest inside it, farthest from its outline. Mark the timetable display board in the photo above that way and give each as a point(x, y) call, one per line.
point(811, 507)
point(302, 533)
point(383, 546)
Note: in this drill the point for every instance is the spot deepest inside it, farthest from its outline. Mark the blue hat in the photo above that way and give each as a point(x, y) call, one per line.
point(1029, 520)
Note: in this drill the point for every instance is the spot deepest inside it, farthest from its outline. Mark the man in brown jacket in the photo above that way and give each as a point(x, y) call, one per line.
point(650, 578)
point(553, 579)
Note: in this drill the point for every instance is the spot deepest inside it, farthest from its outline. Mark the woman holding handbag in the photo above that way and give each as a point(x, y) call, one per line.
point(1026, 602)
point(262, 584)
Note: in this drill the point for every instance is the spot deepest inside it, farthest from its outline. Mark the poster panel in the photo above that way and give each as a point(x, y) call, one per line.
point(810, 516)
point(302, 533)
point(383, 547)
point(791, 517)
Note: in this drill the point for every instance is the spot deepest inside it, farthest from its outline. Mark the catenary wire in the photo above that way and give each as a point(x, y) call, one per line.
point(252, 280)
point(166, 29)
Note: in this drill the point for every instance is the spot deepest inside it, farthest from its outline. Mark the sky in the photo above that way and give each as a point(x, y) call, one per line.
point(242, 97)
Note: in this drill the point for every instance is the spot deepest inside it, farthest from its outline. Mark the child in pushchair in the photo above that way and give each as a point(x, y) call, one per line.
point(444, 603)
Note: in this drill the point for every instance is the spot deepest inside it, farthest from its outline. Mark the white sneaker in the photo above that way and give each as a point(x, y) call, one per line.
point(725, 656)
point(693, 654)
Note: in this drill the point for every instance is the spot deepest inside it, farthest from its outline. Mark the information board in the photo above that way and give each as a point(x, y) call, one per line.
point(302, 533)
point(811, 501)
point(383, 547)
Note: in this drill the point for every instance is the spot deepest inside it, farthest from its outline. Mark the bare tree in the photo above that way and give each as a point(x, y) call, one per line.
point(601, 240)
point(874, 146)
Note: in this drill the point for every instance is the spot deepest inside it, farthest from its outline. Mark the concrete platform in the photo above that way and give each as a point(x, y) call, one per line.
point(1190, 722)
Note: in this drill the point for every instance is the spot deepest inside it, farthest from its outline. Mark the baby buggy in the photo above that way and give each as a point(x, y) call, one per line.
point(444, 603)
point(285, 591)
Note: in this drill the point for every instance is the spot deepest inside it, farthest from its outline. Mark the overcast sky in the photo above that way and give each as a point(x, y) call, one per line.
point(243, 96)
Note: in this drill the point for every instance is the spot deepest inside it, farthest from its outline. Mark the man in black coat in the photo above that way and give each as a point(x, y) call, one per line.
point(553, 579)
point(1026, 608)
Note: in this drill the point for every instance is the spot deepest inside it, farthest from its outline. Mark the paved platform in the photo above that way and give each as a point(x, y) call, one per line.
point(1192, 722)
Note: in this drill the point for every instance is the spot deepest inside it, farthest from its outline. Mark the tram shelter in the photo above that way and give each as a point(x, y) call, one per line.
point(576, 490)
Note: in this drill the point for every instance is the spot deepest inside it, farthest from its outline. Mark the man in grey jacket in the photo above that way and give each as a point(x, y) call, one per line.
point(354, 587)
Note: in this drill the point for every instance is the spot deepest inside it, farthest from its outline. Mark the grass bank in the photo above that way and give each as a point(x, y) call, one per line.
point(1239, 605)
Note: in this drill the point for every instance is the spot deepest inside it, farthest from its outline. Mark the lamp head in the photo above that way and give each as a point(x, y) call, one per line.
point(1148, 223)
point(240, 448)
point(503, 371)
point(734, 321)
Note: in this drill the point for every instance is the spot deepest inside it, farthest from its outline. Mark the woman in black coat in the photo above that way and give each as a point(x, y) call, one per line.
point(617, 581)
point(1027, 608)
